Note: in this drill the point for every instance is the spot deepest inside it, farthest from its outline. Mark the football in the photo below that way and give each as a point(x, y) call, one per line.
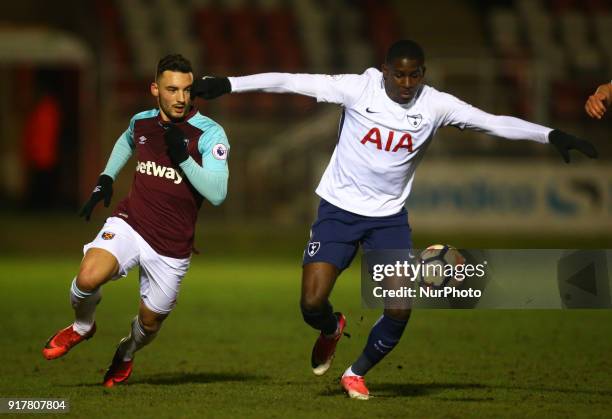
point(438, 266)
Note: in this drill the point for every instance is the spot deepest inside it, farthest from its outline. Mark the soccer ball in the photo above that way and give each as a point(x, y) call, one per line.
point(438, 264)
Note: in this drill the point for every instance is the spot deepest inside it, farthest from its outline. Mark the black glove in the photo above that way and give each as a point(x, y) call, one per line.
point(210, 87)
point(103, 190)
point(175, 140)
point(565, 142)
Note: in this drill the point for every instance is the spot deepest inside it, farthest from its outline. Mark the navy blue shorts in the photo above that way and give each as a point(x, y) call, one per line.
point(336, 235)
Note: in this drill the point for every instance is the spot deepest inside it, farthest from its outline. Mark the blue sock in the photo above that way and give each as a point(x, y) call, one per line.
point(385, 334)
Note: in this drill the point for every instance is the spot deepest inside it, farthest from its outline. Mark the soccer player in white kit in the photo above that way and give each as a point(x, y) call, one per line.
point(389, 118)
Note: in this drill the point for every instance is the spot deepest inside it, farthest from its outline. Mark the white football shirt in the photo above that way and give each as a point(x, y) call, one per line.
point(380, 141)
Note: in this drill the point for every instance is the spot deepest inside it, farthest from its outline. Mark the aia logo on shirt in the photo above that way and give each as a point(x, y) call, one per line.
point(393, 143)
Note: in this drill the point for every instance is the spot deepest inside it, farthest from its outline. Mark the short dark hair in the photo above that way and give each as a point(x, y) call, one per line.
point(405, 49)
point(173, 62)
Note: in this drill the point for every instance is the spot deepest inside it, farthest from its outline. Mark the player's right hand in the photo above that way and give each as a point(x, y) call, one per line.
point(102, 191)
point(210, 87)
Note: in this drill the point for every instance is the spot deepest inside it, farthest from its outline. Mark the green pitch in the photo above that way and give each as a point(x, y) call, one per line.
point(236, 346)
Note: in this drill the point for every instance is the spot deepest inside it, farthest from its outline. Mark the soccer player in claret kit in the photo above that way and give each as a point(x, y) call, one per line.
point(389, 118)
point(181, 160)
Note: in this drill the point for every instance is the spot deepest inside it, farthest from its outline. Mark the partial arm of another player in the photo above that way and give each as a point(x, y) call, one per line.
point(122, 151)
point(210, 180)
point(599, 101)
point(462, 115)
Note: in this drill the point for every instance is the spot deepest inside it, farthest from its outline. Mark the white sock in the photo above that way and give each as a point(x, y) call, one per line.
point(84, 304)
point(349, 373)
point(136, 340)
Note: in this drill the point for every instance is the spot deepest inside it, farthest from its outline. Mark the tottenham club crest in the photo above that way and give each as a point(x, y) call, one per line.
point(415, 120)
point(219, 151)
point(313, 248)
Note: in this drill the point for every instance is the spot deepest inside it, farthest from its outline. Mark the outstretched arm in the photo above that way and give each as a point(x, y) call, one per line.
point(599, 101)
point(463, 115)
point(503, 126)
point(302, 84)
point(343, 89)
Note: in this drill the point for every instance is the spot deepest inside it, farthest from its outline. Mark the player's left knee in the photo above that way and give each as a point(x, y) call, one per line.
point(398, 314)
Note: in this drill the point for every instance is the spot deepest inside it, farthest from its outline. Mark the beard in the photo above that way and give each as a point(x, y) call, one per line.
point(171, 113)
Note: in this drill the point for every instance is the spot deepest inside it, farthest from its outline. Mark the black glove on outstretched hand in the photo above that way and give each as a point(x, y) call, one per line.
point(210, 87)
point(565, 142)
point(103, 190)
point(175, 141)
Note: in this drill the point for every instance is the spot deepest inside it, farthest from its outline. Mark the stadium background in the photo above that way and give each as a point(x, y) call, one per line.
point(534, 59)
